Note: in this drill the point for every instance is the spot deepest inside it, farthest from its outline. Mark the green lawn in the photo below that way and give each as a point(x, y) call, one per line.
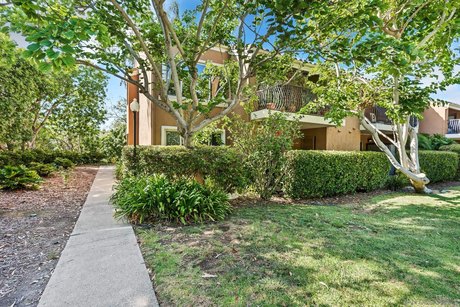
point(390, 250)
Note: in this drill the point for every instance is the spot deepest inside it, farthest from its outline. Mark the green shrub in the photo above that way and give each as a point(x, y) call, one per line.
point(63, 163)
point(220, 164)
point(264, 145)
point(311, 173)
point(453, 148)
point(149, 198)
point(397, 181)
point(439, 165)
point(432, 142)
point(18, 177)
point(25, 157)
point(44, 170)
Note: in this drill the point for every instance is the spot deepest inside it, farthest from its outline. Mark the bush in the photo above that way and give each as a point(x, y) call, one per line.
point(149, 198)
point(439, 165)
point(264, 145)
point(44, 170)
point(310, 173)
point(18, 177)
point(28, 156)
point(432, 142)
point(63, 163)
point(453, 148)
point(221, 165)
point(397, 181)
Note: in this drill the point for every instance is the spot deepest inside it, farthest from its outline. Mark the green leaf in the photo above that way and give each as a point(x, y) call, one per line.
point(27, 53)
point(69, 34)
point(33, 47)
point(68, 60)
point(68, 49)
point(46, 43)
point(45, 66)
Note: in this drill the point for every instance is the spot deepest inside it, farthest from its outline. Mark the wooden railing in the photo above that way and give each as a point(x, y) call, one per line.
point(453, 126)
point(285, 98)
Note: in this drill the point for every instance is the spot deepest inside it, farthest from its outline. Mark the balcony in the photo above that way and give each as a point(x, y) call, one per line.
point(289, 99)
point(284, 98)
point(378, 118)
point(453, 129)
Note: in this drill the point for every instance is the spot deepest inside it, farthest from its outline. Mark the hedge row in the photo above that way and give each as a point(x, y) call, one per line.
point(439, 165)
point(453, 148)
point(25, 157)
point(325, 173)
point(220, 164)
point(308, 173)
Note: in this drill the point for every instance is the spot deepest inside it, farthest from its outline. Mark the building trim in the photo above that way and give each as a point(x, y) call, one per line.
point(303, 118)
point(164, 129)
point(454, 136)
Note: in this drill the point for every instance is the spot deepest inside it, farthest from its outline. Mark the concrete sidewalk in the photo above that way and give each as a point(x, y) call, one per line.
point(101, 264)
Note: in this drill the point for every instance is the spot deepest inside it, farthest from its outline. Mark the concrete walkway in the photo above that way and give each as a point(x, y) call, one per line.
point(101, 264)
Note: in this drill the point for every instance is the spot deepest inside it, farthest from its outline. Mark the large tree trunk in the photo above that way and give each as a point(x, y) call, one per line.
point(410, 167)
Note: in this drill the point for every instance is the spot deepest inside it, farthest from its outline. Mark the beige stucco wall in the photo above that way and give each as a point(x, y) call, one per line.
point(434, 120)
point(347, 137)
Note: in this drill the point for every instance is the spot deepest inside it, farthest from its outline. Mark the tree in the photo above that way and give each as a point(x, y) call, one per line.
point(378, 53)
point(105, 34)
point(32, 100)
point(113, 140)
point(75, 123)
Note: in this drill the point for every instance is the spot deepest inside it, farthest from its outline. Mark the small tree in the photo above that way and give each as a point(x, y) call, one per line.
point(378, 53)
point(264, 143)
point(106, 34)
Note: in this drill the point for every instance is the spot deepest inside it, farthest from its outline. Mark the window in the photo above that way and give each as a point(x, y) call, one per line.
point(170, 136)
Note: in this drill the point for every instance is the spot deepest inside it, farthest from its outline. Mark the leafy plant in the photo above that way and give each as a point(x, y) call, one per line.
point(432, 142)
point(220, 164)
point(453, 148)
point(18, 177)
point(63, 163)
point(44, 170)
point(397, 181)
point(149, 198)
point(311, 173)
point(264, 145)
point(439, 165)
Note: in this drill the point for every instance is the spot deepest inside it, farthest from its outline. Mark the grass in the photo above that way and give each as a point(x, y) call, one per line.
point(390, 250)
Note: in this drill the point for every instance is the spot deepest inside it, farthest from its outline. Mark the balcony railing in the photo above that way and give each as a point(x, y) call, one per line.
point(285, 98)
point(377, 115)
point(453, 126)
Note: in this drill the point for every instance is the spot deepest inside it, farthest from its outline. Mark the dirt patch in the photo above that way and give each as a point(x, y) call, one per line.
point(34, 228)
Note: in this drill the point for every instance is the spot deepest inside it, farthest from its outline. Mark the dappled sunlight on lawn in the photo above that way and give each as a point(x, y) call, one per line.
point(393, 249)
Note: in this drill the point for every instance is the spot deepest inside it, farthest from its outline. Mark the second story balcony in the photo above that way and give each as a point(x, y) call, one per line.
point(284, 98)
point(378, 118)
point(288, 99)
point(453, 126)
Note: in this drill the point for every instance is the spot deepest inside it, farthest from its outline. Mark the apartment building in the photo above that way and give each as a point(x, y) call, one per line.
point(444, 120)
point(157, 127)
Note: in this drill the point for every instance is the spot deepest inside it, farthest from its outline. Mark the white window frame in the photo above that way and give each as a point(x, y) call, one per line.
point(164, 129)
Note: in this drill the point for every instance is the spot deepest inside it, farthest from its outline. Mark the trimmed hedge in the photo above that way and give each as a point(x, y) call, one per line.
point(222, 165)
point(26, 157)
point(439, 165)
point(324, 173)
point(453, 148)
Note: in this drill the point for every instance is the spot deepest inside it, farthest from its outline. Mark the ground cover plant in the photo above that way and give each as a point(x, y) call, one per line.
point(395, 249)
point(18, 177)
point(155, 198)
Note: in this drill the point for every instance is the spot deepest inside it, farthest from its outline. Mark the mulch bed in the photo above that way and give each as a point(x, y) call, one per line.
point(34, 228)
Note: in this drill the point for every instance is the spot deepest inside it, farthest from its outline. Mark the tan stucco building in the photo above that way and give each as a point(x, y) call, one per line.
point(157, 127)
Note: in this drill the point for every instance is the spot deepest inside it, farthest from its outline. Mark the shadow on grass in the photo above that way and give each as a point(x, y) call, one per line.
point(406, 251)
